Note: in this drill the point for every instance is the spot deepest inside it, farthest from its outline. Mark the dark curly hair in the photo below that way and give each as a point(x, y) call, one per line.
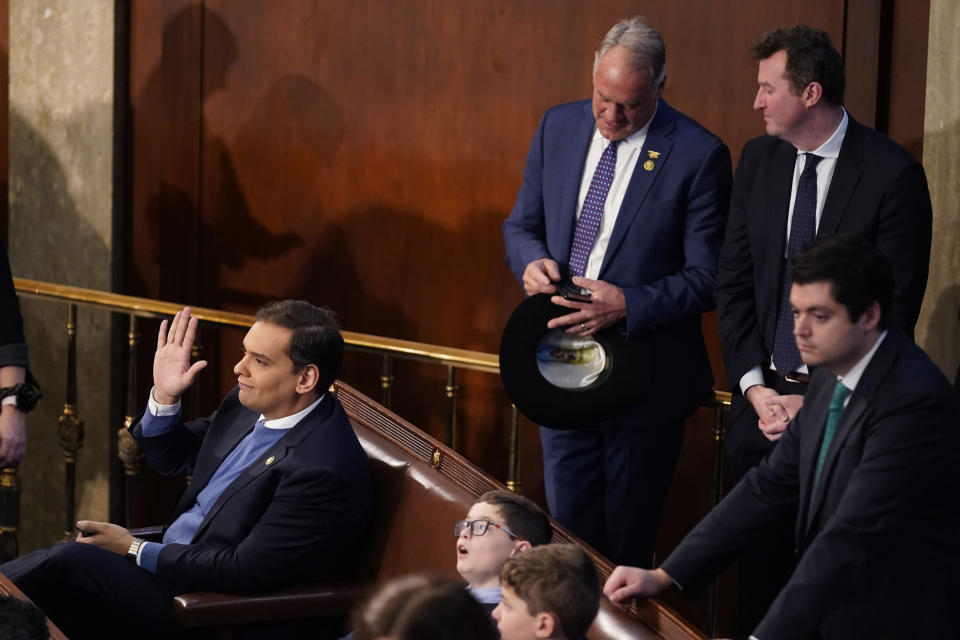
point(811, 57)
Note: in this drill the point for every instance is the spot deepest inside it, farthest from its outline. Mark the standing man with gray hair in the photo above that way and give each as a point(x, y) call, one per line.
point(625, 197)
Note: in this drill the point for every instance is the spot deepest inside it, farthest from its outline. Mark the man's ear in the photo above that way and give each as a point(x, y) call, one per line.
point(662, 86)
point(546, 625)
point(812, 94)
point(870, 318)
point(307, 381)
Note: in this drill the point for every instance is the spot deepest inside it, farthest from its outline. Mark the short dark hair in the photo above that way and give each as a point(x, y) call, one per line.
point(422, 607)
point(21, 620)
point(559, 579)
point(521, 515)
point(811, 57)
point(856, 270)
point(316, 337)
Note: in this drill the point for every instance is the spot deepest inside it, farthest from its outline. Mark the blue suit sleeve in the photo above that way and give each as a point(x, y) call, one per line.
point(152, 425)
point(149, 554)
point(689, 290)
point(525, 230)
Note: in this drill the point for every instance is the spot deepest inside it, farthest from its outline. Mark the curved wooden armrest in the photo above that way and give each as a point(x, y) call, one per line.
point(203, 609)
point(148, 533)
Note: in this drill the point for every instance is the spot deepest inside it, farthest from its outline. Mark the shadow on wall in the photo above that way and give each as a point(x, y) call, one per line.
point(293, 132)
point(51, 240)
point(942, 342)
point(938, 328)
point(200, 231)
point(250, 224)
point(394, 291)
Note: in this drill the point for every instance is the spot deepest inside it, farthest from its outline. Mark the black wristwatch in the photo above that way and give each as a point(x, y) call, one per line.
point(26, 394)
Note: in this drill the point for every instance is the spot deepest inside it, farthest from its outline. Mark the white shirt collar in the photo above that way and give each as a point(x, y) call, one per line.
point(831, 148)
point(290, 421)
point(852, 378)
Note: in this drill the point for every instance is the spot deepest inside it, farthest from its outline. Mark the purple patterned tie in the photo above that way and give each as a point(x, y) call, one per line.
point(803, 229)
point(588, 223)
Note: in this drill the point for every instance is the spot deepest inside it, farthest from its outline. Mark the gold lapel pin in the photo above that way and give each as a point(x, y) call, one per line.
point(270, 460)
point(648, 165)
point(653, 154)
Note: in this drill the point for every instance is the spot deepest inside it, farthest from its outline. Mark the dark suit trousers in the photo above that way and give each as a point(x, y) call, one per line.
point(764, 567)
point(608, 483)
point(92, 593)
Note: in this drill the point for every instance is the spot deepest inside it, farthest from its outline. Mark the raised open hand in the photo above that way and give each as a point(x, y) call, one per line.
point(172, 371)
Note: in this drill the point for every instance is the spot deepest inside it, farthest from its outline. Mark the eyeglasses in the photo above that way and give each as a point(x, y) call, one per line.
point(479, 527)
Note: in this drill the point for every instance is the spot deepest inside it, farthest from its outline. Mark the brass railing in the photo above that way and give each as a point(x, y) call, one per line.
point(71, 429)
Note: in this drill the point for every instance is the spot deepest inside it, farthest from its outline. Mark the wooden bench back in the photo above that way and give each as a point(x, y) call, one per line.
point(423, 487)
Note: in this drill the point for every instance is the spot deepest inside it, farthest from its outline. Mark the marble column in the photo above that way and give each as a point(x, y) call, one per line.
point(60, 190)
point(938, 331)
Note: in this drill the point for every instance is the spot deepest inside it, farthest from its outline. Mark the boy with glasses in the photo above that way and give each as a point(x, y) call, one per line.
point(499, 525)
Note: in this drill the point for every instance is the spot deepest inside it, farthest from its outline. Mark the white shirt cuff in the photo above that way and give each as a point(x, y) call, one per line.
point(158, 410)
point(751, 378)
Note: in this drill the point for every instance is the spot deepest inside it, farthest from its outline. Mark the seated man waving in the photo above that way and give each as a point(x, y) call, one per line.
point(281, 486)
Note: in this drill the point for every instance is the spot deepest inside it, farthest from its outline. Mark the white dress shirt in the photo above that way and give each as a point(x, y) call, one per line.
point(627, 154)
point(829, 151)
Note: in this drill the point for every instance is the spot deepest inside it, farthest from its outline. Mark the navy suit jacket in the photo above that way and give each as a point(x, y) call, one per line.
point(291, 518)
point(878, 191)
point(878, 538)
point(664, 247)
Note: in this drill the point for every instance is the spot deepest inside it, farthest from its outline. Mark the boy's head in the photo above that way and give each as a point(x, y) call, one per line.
point(21, 620)
point(421, 607)
point(498, 525)
point(551, 591)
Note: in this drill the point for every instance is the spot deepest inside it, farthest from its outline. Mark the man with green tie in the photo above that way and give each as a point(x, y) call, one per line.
point(870, 463)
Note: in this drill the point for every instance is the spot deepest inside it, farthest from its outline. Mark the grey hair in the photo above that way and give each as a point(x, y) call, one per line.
point(643, 41)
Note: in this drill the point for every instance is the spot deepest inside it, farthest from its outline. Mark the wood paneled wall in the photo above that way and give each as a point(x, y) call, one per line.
point(364, 154)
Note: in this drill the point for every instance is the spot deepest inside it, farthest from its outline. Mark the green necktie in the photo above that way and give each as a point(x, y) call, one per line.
point(840, 393)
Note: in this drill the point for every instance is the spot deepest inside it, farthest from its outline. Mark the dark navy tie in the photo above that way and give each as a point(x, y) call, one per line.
point(585, 233)
point(803, 229)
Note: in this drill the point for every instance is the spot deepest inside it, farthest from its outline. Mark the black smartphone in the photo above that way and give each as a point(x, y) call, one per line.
point(570, 291)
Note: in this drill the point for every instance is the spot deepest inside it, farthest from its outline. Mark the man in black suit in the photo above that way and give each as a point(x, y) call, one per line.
point(870, 465)
point(818, 172)
point(281, 490)
point(18, 389)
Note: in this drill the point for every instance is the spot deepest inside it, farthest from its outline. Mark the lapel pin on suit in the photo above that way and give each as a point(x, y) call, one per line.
point(270, 460)
point(648, 165)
